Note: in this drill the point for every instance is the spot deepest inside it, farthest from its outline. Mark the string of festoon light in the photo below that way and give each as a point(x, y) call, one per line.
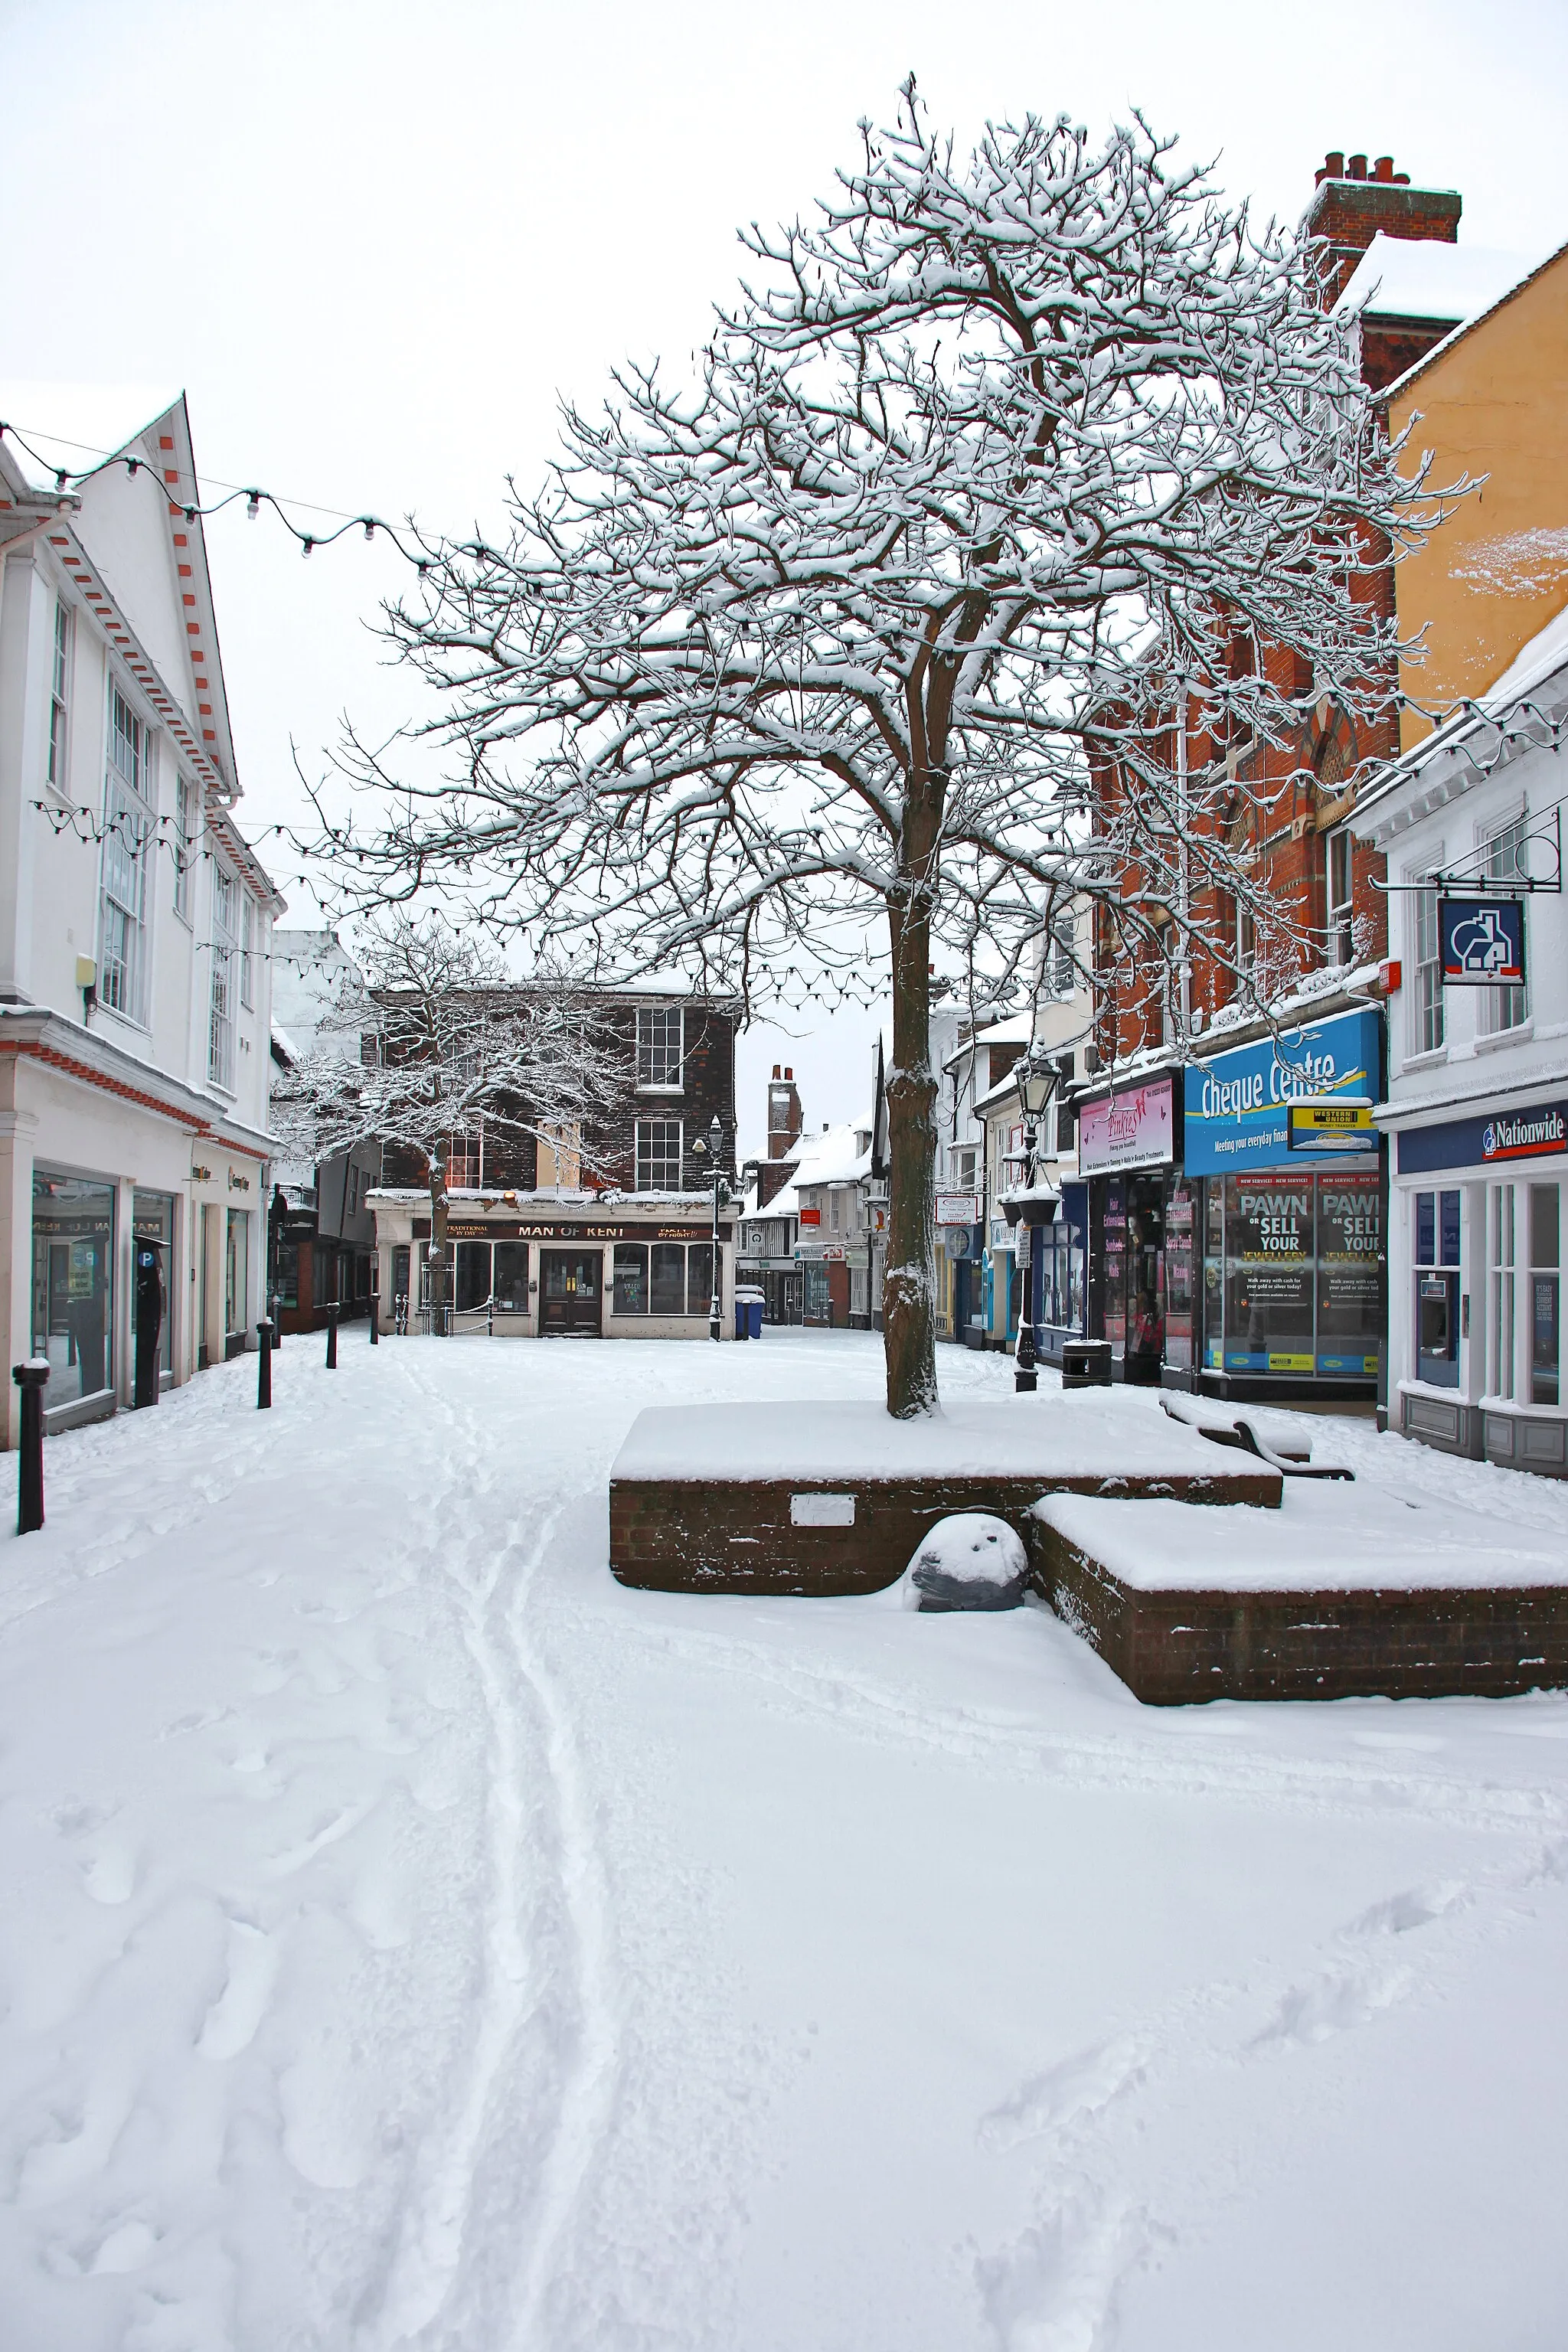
point(198, 510)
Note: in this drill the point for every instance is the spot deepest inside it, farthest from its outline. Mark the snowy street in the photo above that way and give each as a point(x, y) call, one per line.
point(411, 1938)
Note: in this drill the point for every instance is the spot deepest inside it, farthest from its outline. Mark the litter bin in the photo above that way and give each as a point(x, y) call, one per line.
point(1085, 1364)
point(748, 1314)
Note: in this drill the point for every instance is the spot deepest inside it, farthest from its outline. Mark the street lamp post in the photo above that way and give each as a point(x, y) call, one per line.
point(1036, 1085)
point(716, 1147)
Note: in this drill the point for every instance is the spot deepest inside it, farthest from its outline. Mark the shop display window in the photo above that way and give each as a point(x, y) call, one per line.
point(1436, 1272)
point(509, 1277)
point(1269, 1274)
point(1179, 1240)
point(1349, 1277)
point(73, 1284)
point(1116, 1263)
point(663, 1278)
point(1545, 1277)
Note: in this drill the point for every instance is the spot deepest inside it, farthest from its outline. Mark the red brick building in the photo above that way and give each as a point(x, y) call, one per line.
point(1285, 813)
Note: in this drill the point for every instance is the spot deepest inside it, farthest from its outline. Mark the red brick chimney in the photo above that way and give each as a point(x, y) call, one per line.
point(785, 1123)
point(1351, 205)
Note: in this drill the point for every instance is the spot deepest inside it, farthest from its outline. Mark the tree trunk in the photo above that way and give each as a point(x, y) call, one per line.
point(909, 1287)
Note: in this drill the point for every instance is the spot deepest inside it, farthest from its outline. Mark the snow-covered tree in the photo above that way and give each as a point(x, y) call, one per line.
point(993, 462)
point(438, 1041)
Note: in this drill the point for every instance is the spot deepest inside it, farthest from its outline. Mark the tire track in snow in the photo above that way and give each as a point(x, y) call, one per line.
point(476, 2251)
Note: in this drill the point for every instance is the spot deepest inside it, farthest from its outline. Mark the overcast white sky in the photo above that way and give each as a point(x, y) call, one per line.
point(375, 243)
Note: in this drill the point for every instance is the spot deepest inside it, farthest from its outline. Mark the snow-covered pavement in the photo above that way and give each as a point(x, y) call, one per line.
point(412, 1938)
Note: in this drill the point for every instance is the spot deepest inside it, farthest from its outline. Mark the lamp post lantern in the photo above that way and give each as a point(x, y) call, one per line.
point(1036, 1085)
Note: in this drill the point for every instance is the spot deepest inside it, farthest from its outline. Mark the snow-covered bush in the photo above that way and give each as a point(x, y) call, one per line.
point(968, 1561)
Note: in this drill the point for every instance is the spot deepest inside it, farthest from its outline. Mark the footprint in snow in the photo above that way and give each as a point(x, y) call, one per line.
point(1078, 2089)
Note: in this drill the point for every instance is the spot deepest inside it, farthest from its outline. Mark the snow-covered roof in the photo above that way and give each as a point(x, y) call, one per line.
point(75, 425)
point(1533, 665)
point(1466, 325)
point(283, 1046)
point(1411, 278)
point(834, 1157)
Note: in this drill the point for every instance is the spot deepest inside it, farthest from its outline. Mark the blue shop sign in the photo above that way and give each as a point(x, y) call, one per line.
point(1538, 1133)
point(1483, 942)
point(1238, 1104)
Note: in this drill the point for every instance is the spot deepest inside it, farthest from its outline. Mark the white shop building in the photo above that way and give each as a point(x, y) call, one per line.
point(134, 928)
point(1477, 1094)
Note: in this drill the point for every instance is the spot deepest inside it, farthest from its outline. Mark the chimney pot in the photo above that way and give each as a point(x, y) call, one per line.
point(775, 1069)
point(1402, 179)
point(1356, 168)
point(1335, 163)
point(1384, 168)
point(789, 1074)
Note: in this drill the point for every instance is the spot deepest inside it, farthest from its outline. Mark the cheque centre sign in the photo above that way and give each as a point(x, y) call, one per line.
point(1238, 1104)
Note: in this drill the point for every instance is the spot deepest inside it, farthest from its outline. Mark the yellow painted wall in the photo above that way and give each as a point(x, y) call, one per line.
point(1491, 576)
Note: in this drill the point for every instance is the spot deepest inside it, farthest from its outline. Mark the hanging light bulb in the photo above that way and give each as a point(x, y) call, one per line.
point(252, 505)
point(308, 545)
point(369, 528)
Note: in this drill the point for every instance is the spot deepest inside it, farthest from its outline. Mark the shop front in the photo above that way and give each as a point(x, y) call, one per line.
point(1475, 1327)
point(1137, 1284)
point(618, 1273)
point(1284, 1172)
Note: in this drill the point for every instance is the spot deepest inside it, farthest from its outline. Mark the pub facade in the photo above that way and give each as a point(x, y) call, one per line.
point(552, 1265)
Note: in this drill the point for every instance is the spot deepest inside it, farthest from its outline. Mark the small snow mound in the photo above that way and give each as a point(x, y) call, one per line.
point(968, 1561)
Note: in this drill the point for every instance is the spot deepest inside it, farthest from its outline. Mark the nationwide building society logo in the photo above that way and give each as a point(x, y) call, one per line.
point(1524, 1137)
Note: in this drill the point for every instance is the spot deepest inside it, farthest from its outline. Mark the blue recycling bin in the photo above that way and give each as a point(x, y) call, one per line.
point(748, 1315)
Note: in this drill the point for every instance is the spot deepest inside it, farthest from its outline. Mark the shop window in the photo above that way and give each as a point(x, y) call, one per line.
point(246, 948)
point(73, 1284)
point(509, 1279)
point(473, 1276)
point(630, 1295)
point(1498, 1009)
point(1116, 1263)
point(1427, 1028)
point(659, 1155)
point(661, 1045)
point(1501, 1255)
point(699, 1277)
point(235, 1275)
point(1545, 1327)
point(671, 1278)
point(1437, 1270)
point(1350, 1274)
point(1178, 1335)
point(288, 1274)
point(667, 1278)
point(1214, 1274)
point(1269, 1274)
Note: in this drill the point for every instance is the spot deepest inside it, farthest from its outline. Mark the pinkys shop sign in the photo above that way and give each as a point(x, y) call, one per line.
point(1134, 1127)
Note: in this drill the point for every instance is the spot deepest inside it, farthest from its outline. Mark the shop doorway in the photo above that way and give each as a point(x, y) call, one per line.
point(571, 1286)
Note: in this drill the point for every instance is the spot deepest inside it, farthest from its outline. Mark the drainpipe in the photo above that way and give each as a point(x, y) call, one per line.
point(1183, 871)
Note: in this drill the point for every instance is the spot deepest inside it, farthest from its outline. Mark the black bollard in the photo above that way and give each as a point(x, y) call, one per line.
point(374, 1320)
point(275, 1316)
point(30, 1379)
point(332, 1335)
point(264, 1366)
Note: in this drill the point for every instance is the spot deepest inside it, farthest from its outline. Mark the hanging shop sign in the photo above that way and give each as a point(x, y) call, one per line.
point(1238, 1104)
point(1538, 1133)
point(957, 1208)
point(1133, 1129)
point(1482, 942)
point(1322, 1131)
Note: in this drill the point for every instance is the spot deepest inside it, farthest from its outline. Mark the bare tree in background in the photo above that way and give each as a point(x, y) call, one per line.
point(439, 1038)
point(985, 474)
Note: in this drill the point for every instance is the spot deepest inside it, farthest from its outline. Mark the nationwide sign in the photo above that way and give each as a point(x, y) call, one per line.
point(1238, 1104)
point(1482, 942)
point(1538, 1133)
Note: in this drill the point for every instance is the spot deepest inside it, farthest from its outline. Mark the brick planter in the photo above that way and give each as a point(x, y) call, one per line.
point(1173, 1647)
point(738, 1534)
